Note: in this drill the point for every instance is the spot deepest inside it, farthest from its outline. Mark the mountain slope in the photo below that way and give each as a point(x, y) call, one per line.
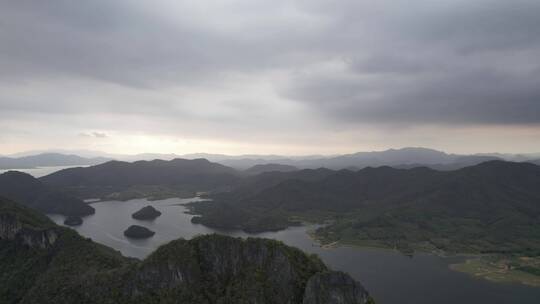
point(44, 263)
point(33, 193)
point(490, 207)
point(112, 177)
point(258, 169)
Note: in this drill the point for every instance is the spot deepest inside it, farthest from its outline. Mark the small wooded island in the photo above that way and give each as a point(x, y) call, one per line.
point(146, 213)
point(73, 221)
point(138, 232)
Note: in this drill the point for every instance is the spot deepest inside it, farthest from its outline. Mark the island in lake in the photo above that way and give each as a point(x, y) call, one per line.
point(138, 232)
point(146, 213)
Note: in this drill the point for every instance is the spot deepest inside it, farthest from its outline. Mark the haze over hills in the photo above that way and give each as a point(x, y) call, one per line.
point(258, 169)
point(48, 160)
point(392, 157)
point(41, 262)
point(401, 158)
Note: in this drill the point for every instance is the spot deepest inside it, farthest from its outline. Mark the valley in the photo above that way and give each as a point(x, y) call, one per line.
point(375, 268)
point(478, 222)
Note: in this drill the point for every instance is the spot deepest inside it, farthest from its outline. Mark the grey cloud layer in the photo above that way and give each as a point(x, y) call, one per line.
point(442, 62)
point(344, 62)
point(139, 43)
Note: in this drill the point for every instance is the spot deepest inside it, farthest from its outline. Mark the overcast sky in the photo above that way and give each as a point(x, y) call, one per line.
point(261, 76)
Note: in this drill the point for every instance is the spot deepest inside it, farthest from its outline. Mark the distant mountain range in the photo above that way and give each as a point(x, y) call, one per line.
point(392, 157)
point(258, 169)
point(399, 158)
point(48, 160)
point(404, 157)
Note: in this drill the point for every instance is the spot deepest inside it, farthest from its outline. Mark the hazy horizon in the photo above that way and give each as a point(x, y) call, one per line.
point(270, 77)
point(95, 153)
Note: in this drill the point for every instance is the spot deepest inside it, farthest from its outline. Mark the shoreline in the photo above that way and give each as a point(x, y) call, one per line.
point(493, 273)
point(481, 266)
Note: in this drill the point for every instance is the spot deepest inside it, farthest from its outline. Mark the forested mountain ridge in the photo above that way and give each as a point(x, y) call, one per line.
point(258, 169)
point(33, 193)
point(116, 179)
point(490, 207)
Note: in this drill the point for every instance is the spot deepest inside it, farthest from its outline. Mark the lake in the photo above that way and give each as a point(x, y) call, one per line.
point(41, 171)
point(390, 277)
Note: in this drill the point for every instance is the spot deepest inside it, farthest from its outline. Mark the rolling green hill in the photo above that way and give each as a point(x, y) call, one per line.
point(490, 207)
point(157, 178)
point(31, 192)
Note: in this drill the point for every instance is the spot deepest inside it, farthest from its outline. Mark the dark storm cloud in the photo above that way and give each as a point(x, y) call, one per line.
point(443, 62)
point(349, 61)
point(106, 40)
point(460, 97)
point(483, 25)
point(133, 43)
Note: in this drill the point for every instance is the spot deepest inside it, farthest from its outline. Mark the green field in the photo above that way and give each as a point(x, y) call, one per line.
point(522, 270)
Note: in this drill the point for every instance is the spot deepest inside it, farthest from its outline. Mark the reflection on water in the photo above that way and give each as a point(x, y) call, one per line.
point(390, 277)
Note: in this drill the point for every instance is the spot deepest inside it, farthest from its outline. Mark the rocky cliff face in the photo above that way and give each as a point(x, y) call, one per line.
point(43, 263)
point(334, 288)
point(219, 269)
point(9, 226)
point(12, 229)
point(255, 270)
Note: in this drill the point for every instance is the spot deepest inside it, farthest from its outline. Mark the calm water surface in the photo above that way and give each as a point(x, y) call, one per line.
point(41, 171)
point(389, 276)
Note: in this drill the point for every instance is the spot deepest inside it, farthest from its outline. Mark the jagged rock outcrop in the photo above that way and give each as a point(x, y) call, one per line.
point(12, 229)
point(251, 269)
point(334, 287)
point(9, 226)
point(41, 262)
